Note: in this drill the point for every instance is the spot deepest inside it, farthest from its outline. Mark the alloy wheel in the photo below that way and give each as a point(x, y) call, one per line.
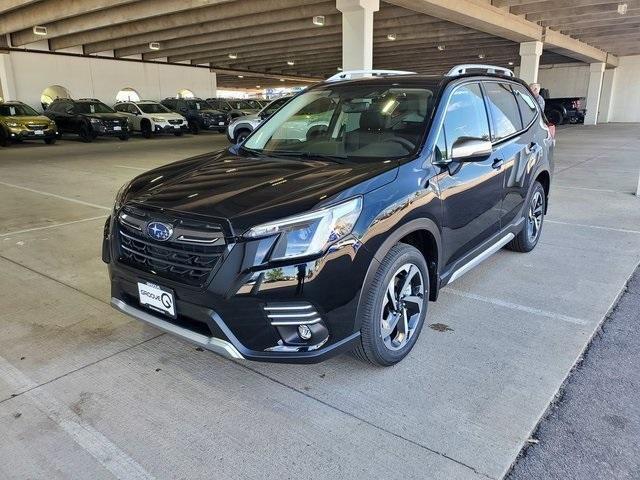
point(401, 307)
point(535, 216)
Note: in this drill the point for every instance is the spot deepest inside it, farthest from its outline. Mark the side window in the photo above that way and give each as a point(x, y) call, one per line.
point(119, 108)
point(466, 115)
point(170, 104)
point(503, 109)
point(131, 108)
point(527, 105)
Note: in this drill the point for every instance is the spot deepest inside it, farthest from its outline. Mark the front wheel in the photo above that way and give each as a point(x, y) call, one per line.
point(534, 212)
point(50, 141)
point(86, 135)
point(147, 131)
point(395, 307)
point(4, 138)
point(124, 138)
point(194, 128)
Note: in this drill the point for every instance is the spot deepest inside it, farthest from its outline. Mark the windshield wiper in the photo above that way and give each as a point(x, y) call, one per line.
point(310, 156)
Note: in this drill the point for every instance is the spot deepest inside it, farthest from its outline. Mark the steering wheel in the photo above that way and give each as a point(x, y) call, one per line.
point(409, 146)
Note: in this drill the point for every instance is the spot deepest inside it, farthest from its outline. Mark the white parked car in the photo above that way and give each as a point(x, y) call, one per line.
point(241, 127)
point(150, 117)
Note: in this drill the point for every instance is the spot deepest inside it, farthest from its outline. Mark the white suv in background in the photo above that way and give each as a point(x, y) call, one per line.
point(150, 117)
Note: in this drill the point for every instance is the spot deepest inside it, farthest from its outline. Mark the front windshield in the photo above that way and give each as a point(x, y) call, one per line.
point(153, 108)
point(244, 104)
point(198, 105)
point(93, 107)
point(275, 105)
point(17, 111)
point(357, 122)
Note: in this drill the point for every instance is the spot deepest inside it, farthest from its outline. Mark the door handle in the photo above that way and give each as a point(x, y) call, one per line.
point(497, 163)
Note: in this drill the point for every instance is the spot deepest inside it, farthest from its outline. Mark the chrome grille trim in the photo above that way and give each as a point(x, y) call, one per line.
point(291, 313)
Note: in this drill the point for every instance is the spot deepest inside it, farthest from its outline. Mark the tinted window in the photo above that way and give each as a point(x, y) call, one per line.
point(17, 111)
point(503, 109)
point(152, 108)
point(527, 105)
point(92, 107)
point(57, 106)
point(466, 115)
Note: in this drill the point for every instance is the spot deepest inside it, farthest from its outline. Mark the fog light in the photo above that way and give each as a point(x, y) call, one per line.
point(305, 332)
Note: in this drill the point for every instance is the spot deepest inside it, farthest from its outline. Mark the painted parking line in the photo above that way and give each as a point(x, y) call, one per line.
point(109, 455)
point(604, 190)
point(518, 307)
point(54, 225)
point(54, 195)
point(135, 168)
point(597, 227)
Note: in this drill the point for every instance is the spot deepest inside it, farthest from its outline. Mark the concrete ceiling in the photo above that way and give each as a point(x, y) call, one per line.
point(265, 35)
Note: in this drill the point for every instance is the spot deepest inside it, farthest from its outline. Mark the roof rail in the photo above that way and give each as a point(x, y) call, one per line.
point(462, 69)
point(352, 74)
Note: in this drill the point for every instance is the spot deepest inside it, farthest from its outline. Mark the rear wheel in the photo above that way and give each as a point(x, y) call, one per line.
point(145, 127)
point(528, 237)
point(555, 117)
point(221, 130)
point(178, 134)
point(395, 307)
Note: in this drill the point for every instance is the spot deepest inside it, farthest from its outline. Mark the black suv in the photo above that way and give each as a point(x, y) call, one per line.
point(199, 114)
point(89, 118)
point(331, 231)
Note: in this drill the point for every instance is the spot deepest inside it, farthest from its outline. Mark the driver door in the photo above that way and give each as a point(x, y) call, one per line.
point(471, 191)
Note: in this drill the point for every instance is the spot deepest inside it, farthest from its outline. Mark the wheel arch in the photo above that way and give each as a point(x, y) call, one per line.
point(544, 177)
point(423, 234)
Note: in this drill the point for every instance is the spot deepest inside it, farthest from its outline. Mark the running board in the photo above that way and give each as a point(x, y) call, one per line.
point(480, 258)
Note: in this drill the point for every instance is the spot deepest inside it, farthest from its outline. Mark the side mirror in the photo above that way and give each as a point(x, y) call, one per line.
point(468, 149)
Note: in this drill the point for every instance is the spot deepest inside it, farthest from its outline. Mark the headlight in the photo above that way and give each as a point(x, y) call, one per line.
point(311, 233)
point(13, 124)
point(157, 119)
point(95, 121)
point(120, 196)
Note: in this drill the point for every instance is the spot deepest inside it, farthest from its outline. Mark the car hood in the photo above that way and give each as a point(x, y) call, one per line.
point(105, 116)
point(29, 120)
point(166, 116)
point(249, 190)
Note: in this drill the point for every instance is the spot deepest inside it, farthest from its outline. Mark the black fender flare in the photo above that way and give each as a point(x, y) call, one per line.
point(393, 238)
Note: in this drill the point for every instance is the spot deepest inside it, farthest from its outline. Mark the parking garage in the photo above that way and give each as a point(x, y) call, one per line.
point(87, 392)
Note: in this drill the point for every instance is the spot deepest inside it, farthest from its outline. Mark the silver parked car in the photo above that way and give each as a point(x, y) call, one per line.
point(241, 127)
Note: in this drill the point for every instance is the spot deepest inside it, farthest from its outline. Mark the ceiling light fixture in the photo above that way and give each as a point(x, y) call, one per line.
point(510, 63)
point(441, 47)
point(339, 69)
point(291, 63)
point(622, 8)
point(40, 30)
point(257, 86)
point(240, 76)
point(154, 46)
point(318, 20)
point(481, 56)
point(391, 36)
point(282, 79)
point(233, 56)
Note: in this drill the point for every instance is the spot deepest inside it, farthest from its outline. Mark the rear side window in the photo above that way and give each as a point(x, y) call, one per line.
point(527, 105)
point(503, 109)
point(466, 115)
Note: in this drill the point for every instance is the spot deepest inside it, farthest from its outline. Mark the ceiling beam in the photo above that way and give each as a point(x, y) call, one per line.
point(111, 35)
point(571, 47)
point(593, 12)
point(9, 5)
point(204, 26)
point(114, 16)
point(49, 11)
point(246, 73)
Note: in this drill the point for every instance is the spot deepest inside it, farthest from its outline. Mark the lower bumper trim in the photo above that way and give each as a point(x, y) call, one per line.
point(213, 344)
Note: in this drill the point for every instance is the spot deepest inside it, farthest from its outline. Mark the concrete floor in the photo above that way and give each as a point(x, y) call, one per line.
point(88, 393)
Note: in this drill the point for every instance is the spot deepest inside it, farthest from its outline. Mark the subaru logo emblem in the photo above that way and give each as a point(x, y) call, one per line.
point(159, 231)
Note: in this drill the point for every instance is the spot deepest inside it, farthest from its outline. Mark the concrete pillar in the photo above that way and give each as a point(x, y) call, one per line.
point(596, 71)
point(357, 33)
point(530, 61)
point(606, 95)
point(7, 80)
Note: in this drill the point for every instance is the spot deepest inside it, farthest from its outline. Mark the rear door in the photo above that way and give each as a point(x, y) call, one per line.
point(471, 191)
point(512, 147)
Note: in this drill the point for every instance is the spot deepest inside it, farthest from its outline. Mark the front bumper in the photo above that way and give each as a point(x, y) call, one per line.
point(231, 313)
point(170, 128)
point(28, 134)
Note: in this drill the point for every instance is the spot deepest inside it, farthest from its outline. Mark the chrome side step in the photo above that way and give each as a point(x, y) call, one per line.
point(214, 344)
point(481, 257)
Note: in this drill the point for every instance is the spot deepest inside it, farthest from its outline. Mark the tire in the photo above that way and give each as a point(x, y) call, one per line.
point(555, 117)
point(145, 128)
point(86, 135)
point(178, 134)
point(194, 128)
point(380, 343)
point(124, 138)
point(242, 134)
point(50, 141)
point(4, 138)
point(221, 130)
point(535, 208)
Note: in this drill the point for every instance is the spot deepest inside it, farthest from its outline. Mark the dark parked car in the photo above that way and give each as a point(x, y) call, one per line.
point(199, 114)
point(292, 250)
point(235, 108)
point(89, 118)
point(564, 110)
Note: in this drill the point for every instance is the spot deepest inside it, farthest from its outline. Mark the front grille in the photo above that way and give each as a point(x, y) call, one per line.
point(175, 122)
point(36, 127)
point(189, 256)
